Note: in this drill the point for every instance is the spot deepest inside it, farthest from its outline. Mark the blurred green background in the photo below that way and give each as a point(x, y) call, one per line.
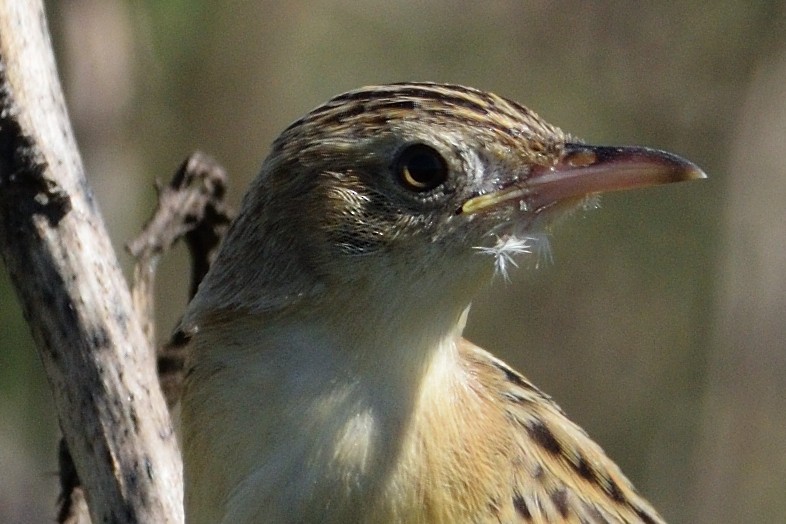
point(660, 326)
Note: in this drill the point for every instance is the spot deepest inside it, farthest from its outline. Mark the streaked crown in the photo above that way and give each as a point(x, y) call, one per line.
point(371, 110)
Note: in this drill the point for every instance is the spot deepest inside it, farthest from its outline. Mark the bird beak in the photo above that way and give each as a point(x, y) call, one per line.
point(583, 170)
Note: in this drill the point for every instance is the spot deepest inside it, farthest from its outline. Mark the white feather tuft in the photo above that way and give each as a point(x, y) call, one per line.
point(505, 251)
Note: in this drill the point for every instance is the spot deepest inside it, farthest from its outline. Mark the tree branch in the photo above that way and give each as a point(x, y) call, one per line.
point(97, 358)
point(191, 207)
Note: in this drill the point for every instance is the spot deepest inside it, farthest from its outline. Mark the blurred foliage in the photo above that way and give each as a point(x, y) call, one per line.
point(621, 328)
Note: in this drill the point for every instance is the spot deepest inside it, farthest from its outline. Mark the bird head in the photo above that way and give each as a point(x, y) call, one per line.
point(405, 189)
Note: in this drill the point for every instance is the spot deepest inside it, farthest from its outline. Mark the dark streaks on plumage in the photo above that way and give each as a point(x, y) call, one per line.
point(594, 513)
point(512, 376)
point(516, 398)
point(543, 437)
point(394, 105)
point(585, 470)
point(560, 500)
point(349, 113)
point(364, 111)
point(556, 468)
point(493, 507)
point(520, 505)
point(645, 517)
point(614, 492)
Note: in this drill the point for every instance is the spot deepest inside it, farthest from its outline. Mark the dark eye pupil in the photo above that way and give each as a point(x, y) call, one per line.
point(421, 168)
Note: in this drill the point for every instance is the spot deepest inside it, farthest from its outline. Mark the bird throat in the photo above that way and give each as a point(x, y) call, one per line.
point(328, 411)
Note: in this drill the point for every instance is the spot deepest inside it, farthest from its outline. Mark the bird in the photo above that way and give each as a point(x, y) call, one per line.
point(327, 378)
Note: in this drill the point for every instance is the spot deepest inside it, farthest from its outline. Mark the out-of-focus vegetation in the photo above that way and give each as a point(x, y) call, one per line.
point(661, 324)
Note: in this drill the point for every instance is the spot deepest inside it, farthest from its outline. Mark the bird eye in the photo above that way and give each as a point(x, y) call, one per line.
point(421, 168)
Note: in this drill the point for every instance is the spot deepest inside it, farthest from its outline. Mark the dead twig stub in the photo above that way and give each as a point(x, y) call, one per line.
point(190, 207)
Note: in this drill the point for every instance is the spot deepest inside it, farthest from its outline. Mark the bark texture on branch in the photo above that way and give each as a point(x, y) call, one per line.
point(99, 363)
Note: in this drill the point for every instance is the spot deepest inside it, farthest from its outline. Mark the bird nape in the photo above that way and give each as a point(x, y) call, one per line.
point(327, 378)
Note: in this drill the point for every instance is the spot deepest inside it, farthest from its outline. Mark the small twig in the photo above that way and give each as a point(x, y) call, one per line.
point(191, 206)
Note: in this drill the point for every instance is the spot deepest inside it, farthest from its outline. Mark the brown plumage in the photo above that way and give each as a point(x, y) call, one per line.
point(328, 380)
